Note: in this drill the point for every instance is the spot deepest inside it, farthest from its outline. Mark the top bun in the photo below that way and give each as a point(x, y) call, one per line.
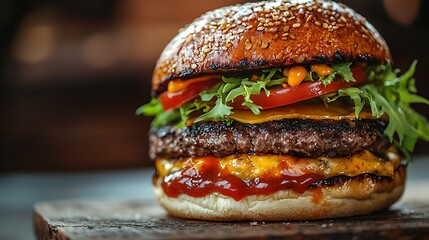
point(268, 34)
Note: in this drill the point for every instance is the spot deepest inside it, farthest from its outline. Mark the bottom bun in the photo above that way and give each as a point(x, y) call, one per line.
point(359, 195)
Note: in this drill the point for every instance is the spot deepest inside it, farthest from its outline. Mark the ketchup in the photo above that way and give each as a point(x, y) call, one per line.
point(212, 178)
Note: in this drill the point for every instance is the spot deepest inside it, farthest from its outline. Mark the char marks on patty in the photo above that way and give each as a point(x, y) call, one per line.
point(298, 137)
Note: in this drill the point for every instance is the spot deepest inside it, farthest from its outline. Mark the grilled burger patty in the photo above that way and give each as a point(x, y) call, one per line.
point(298, 137)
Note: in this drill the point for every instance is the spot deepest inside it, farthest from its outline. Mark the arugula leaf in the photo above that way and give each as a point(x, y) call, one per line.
point(341, 69)
point(392, 95)
point(218, 113)
point(151, 109)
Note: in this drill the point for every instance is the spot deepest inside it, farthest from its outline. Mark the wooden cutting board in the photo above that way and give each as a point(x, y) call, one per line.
point(134, 219)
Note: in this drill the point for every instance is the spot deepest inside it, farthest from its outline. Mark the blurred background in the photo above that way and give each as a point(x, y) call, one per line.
point(72, 74)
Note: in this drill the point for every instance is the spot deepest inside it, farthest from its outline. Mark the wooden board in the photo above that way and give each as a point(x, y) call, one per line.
point(134, 219)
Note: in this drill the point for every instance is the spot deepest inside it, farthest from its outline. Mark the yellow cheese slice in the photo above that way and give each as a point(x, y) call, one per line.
point(304, 110)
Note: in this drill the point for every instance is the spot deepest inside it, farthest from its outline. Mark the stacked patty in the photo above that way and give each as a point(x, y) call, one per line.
point(297, 137)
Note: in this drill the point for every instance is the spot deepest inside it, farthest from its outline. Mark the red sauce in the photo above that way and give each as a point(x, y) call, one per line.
point(211, 178)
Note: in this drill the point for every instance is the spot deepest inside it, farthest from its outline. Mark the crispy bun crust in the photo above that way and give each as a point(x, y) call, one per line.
point(356, 196)
point(267, 34)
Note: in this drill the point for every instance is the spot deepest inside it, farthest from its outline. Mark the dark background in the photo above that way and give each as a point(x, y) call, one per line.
point(72, 74)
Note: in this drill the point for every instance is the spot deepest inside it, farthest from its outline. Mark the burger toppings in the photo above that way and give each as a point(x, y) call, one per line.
point(378, 88)
point(238, 176)
point(215, 97)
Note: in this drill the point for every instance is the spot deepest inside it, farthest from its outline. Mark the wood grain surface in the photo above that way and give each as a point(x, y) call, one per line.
point(135, 219)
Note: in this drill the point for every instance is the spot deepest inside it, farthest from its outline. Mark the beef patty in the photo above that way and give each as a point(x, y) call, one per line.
point(298, 137)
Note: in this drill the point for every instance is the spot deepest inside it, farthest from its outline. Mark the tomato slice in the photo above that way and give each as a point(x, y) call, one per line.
point(280, 96)
point(171, 100)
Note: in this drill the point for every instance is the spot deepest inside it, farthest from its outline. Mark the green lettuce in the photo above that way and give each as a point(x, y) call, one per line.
point(390, 94)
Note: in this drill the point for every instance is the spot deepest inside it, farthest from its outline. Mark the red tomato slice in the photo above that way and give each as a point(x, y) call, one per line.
point(171, 100)
point(280, 96)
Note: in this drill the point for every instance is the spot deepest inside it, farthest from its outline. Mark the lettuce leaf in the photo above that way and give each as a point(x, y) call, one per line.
point(392, 95)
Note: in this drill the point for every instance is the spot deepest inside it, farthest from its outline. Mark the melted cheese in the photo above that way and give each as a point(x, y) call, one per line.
point(249, 167)
point(304, 110)
point(179, 84)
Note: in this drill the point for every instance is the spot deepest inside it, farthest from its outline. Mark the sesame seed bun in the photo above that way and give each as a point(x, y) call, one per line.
point(356, 196)
point(267, 34)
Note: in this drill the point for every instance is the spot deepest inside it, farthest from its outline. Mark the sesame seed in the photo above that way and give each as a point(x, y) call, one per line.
point(260, 28)
point(249, 26)
point(296, 25)
point(284, 38)
point(248, 45)
point(265, 45)
point(272, 30)
point(194, 66)
point(206, 49)
point(202, 57)
point(289, 49)
point(317, 23)
point(343, 19)
point(223, 48)
point(279, 56)
point(286, 29)
point(196, 52)
point(300, 60)
point(292, 36)
point(223, 25)
point(325, 25)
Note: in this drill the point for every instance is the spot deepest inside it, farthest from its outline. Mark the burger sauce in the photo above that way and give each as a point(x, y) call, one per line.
point(212, 178)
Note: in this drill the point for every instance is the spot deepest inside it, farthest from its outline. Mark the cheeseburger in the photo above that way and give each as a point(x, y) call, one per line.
point(280, 110)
